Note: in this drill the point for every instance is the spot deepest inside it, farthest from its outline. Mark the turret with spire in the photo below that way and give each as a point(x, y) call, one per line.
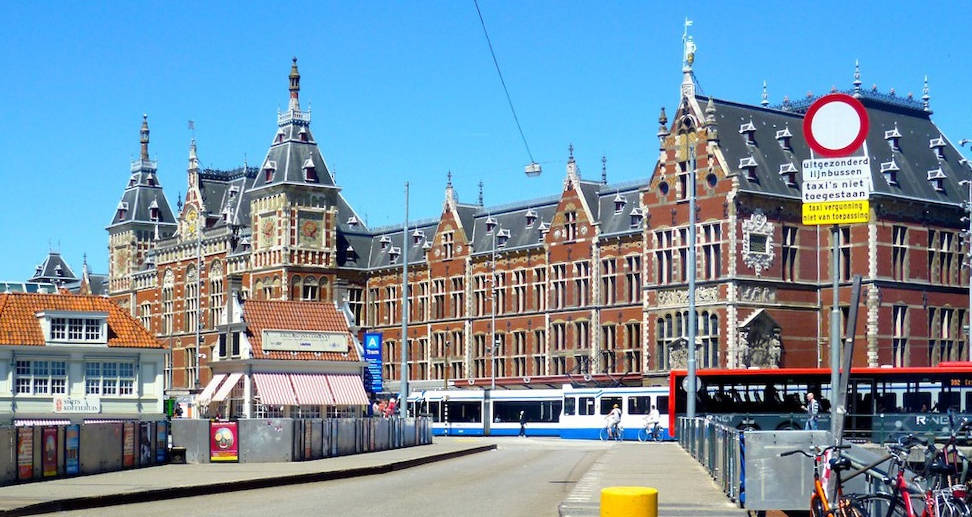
point(294, 86)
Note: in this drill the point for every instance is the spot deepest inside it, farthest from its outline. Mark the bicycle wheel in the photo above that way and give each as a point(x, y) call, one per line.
point(849, 507)
point(643, 435)
point(880, 504)
point(604, 434)
point(816, 506)
point(619, 433)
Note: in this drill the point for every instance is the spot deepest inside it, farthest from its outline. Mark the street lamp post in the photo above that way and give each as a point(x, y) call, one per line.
point(693, 318)
point(492, 316)
point(403, 389)
point(445, 354)
point(967, 205)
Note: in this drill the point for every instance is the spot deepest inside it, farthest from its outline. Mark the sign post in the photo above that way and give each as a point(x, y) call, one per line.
point(372, 355)
point(836, 190)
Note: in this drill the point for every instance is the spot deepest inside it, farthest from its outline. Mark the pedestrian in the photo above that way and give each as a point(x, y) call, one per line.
point(523, 424)
point(381, 407)
point(390, 410)
point(813, 412)
point(375, 409)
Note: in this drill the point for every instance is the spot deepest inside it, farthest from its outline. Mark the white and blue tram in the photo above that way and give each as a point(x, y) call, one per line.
point(586, 409)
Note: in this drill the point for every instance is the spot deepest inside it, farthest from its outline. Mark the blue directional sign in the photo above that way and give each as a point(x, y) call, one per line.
point(372, 355)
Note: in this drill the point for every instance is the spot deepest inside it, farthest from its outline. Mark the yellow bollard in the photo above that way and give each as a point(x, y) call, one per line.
point(629, 501)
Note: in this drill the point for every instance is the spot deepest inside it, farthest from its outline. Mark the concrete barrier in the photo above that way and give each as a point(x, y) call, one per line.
point(193, 435)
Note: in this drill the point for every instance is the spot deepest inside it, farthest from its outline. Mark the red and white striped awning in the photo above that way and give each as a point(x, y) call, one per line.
point(108, 420)
point(207, 393)
point(348, 390)
point(275, 389)
point(311, 389)
point(227, 387)
point(41, 421)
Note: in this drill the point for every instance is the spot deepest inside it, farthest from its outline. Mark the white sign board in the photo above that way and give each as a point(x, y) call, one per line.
point(77, 405)
point(836, 179)
point(304, 341)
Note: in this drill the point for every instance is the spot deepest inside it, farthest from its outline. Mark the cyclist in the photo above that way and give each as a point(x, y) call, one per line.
point(651, 423)
point(613, 418)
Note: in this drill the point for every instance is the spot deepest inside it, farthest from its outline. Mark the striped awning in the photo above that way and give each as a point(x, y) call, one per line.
point(227, 387)
point(275, 389)
point(311, 389)
point(41, 421)
point(207, 393)
point(107, 420)
point(348, 390)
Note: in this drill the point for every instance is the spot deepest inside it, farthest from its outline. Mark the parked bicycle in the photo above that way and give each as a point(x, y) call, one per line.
point(821, 504)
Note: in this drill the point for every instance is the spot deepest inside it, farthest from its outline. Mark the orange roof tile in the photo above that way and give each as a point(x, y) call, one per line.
point(287, 315)
point(19, 324)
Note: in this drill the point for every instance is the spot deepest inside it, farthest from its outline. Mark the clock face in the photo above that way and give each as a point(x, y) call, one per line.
point(191, 220)
point(309, 229)
point(121, 259)
point(267, 231)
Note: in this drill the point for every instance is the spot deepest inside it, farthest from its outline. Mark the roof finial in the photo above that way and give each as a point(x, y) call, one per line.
point(449, 179)
point(764, 101)
point(480, 192)
point(857, 78)
point(570, 151)
point(688, 60)
point(193, 159)
point(603, 170)
point(294, 86)
point(924, 95)
point(145, 137)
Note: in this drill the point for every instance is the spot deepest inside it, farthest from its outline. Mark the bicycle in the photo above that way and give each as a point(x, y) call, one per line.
point(820, 504)
point(612, 432)
point(649, 433)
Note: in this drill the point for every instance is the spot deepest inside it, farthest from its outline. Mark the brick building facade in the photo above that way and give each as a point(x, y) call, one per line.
point(589, 281)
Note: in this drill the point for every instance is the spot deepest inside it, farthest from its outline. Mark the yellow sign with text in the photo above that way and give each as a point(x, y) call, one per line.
point(837, 212)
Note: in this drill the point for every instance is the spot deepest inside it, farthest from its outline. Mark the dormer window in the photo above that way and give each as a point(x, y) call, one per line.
point(502, 237)
point(490, 224)
point(122, 209)
point(748, 166)
point(58, 271)
point(310, 172)
point(394, 253)
point(783, 137)
point(234, 190)
point(132, 181)
point(280, 136)
point(619, 202)
point(890, 172)
point(350, 254)
point(427, 245)
point(75, 327)
point(937, 179)
point(38, 269)
point(531, 217)
point(303, 134)
point(417, 236)
point(938, 145)
point(544, 228)
point(154, 210)
point(636, 217)
point(384, 242)
point(748, 130)
point(150, 179)
point(893, 136)
point(788, 172)
point(352, 221)
point(269, 169)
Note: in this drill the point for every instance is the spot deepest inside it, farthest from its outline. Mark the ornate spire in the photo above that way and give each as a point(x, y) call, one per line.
point(570, 153)
point(450, 193)
point(294, 86)
point(193, 159)
point(603, 170)
point(573, 173)
point(662, 128)
point(688, 60)
point(711, 125)
point(924, 96)
point(857, 78)
point(449, 179)
point(480, 193)
point(144, 137)
point(764, 100)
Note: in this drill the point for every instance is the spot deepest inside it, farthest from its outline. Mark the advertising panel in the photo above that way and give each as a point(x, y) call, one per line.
point(224, 441)
point(308, 439)
point(49, 458)
point(72, 446)
point(25, 452)
point(372, 355)
point(128, 444)
point(161, 441)
point(145, 455)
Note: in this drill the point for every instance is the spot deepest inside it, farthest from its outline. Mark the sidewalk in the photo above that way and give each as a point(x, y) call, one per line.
point(684, 488)
point(171, 481)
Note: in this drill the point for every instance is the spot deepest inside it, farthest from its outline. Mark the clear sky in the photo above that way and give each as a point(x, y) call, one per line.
point(407, 91)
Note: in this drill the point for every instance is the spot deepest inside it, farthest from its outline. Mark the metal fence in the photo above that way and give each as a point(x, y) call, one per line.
point(718, 449)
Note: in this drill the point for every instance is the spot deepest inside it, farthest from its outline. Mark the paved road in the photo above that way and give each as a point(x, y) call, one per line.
point(523, 477)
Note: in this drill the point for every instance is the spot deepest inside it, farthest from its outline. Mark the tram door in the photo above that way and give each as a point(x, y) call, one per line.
point(487, 412)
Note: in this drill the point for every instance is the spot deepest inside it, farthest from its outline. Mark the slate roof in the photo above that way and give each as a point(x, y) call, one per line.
point(260, 315)
point(143, 192)
point(54, 270)
point(19, 324)
point(293, 150)
point(915, 158)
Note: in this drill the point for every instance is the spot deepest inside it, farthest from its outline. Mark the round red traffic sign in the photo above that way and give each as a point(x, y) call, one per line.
point(835, 125)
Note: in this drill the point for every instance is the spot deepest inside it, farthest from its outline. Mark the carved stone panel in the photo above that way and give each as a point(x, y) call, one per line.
point(757, 249)
point(760, 343)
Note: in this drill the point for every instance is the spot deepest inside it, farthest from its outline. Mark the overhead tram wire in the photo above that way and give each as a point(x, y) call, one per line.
point(533, 169)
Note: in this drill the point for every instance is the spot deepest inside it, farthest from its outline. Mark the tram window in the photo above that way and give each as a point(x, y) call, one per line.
point(586, 406)
point(570, 405)
point(661, 402)
point(607, 403)
point(534, 410)
point(639, 405)
point(465, 411)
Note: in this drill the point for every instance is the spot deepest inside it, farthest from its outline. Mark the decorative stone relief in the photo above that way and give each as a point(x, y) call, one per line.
point(757, 294)
point(583, 230)
point(760, 345)
point(757, 242)
point(556, 234)
point(678, 354)
point(680, 296)
point(458, 248)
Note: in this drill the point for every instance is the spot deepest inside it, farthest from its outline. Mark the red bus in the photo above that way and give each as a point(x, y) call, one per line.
point(882, 403)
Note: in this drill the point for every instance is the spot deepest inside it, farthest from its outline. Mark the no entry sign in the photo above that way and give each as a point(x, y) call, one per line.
point(836, 185)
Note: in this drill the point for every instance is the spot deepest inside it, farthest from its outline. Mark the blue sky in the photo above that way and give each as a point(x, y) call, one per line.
point(407, 90)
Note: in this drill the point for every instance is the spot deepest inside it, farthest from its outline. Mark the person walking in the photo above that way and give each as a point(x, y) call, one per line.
point(813, 412)
point(523, 424)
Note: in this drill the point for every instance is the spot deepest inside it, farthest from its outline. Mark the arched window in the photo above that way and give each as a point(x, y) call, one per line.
point(192, 299)
point(168, 287)
point(296, 288)
point(216, 302)
point(310, 291)
point(259, 289)
point(276, 288)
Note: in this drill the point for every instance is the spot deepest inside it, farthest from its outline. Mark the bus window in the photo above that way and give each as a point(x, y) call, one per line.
point(639, 405)
point(570, 405)
point(948, 399)
point(661, 402)
point(586, 406)
point(465, 411)
point(607, 403)
point(917, 401)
